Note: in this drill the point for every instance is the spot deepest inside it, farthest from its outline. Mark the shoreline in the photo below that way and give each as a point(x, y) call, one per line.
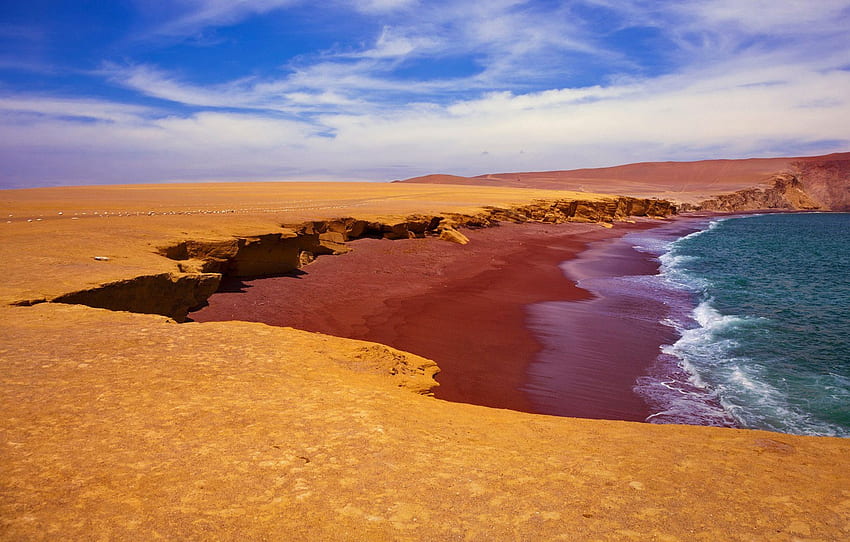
point(596, 350)
point(465, 307)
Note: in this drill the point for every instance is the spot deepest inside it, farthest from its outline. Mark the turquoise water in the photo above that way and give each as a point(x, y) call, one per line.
point(762, 307)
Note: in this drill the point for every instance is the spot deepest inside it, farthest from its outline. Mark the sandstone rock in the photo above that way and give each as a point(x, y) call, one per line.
point(786, 192)
point(825, 182)
point(202, 250)
point(334, 242)
point(397, 231)
point(586, 212)
point(453, 236)
point(305, 258)
point(420, 224)
point(270, 254)
point(191, 266)
point(356, 228)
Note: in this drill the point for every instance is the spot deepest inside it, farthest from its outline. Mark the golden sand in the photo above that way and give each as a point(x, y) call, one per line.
point(51, 236)
point(120, 426)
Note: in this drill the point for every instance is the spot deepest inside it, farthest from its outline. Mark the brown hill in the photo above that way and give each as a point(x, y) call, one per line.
point(824, 179)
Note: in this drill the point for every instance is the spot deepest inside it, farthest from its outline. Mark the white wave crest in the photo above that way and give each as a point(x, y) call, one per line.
point(705, 353)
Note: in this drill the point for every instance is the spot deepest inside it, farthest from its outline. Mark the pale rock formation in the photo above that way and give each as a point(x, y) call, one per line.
point(453, 236)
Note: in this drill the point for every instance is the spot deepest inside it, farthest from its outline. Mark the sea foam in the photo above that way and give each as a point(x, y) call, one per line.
point(729, 367)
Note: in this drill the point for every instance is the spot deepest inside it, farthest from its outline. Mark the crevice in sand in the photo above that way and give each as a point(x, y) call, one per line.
point(202, 264)
point(166, 294)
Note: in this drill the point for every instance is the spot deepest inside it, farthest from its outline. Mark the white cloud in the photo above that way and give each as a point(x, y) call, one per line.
point(393, 44)
point(158, 84)
point(382, 6)
point(327, 86)
point(500, 102)
point(654, 115)
point(186, 17)
point(511, 44)
point(699, 114)
point(72, 108)
point(769, 15)
point(347, 116)
point(302, 91)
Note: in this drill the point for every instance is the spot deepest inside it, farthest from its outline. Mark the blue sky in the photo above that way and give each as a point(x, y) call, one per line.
point(148, 91)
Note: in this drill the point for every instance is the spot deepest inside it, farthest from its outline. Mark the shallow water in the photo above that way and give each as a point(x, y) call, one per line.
point(761, 309)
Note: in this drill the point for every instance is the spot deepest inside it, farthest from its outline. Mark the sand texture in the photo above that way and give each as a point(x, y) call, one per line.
point(123, 426)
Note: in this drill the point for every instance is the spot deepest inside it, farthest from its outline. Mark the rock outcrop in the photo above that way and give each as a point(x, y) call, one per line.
point(807, 185)
point(826, 181)
point(786, 193)
point(453, 236)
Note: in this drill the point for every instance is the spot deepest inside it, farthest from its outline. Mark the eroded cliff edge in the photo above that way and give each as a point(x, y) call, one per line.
point(806, 185)
point(201, 264)
point(802, 183)
point(809, 185)
point(121, 426)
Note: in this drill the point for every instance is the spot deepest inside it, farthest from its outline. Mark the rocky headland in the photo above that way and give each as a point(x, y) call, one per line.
point(805, 183)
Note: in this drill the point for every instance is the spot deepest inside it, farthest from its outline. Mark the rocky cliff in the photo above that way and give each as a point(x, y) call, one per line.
point(826, 181)
point(807, 185)
point(203, 263)
point(815, 182)
point(786, 192)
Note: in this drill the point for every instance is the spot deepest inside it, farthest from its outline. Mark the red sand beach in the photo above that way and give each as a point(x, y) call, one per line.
point(466, 307)
point(594, 351)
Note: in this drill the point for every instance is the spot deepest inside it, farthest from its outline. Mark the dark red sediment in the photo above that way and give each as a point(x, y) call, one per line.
point(595, 350)
point(465, 307)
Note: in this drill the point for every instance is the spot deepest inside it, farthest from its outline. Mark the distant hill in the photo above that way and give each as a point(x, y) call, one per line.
point(824, 179)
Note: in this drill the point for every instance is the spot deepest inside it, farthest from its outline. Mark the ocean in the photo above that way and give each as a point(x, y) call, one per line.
point(760, 305)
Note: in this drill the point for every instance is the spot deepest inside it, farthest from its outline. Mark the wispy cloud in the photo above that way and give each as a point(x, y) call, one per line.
point(81, 109)
point(382, 6)
point(736, 79)
point(767, 16)
point(511, 46)
point(187, 17)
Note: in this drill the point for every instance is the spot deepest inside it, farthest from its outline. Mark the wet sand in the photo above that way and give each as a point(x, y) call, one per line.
point(465, 307)
point(595, 350)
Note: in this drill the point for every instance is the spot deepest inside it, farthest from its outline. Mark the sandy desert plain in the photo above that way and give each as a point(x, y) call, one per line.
point(128, 426)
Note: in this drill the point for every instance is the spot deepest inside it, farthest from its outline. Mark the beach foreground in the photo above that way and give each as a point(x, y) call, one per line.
point(131, 426)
